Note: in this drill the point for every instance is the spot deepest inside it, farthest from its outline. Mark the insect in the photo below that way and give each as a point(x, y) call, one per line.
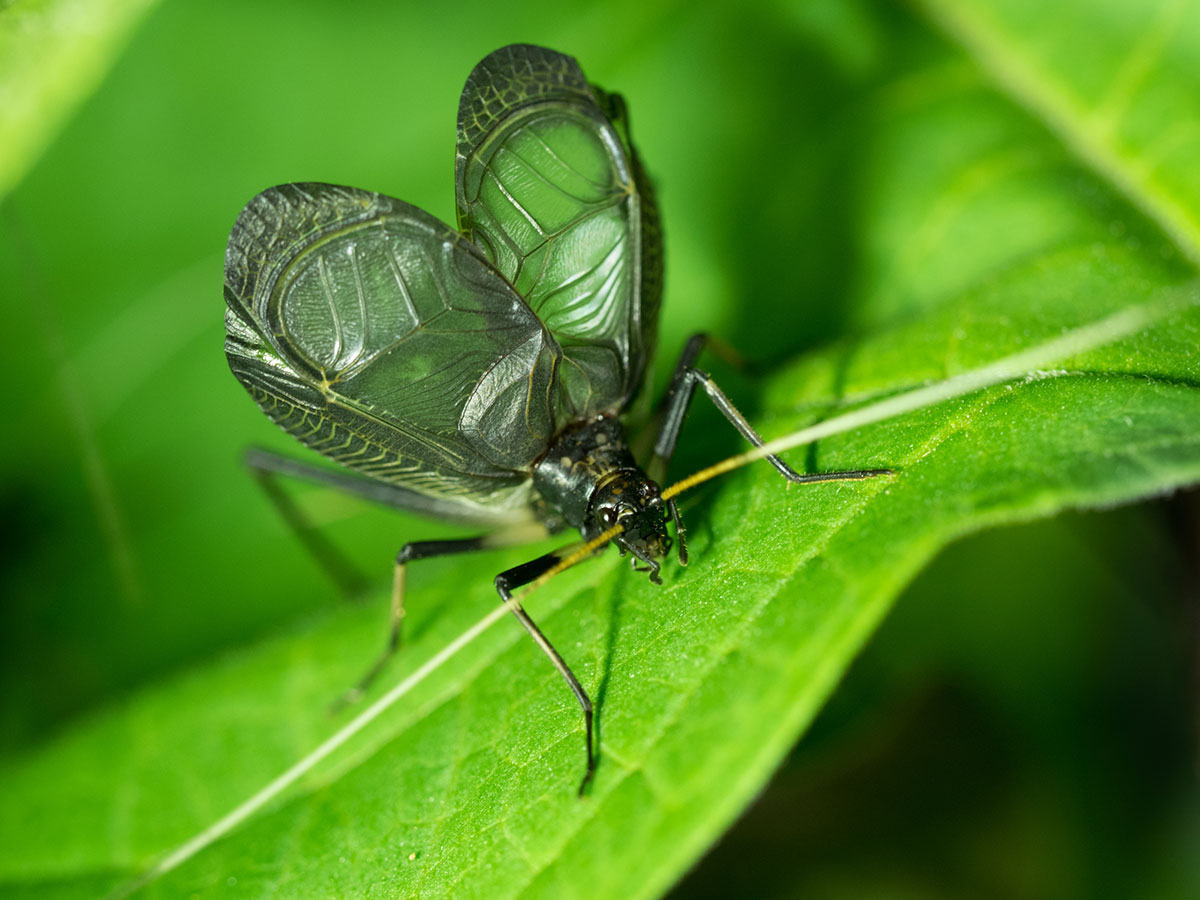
point(479, 375)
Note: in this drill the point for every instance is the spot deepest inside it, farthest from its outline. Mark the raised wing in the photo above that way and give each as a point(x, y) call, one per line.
point(382, 339)
point(549, 187)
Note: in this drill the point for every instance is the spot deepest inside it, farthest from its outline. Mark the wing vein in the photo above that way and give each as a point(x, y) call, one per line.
point(323, 272)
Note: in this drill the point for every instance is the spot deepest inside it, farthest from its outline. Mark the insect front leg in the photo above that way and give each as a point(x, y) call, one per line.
point(524, 574)
point(675, 405)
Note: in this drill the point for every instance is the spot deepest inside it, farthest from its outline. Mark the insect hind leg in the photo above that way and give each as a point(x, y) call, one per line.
point(267, 468)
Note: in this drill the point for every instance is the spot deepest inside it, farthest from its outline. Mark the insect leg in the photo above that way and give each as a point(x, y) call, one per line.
point(523, 574)
point(267, 467)
point(679, 397)
point(425, 550)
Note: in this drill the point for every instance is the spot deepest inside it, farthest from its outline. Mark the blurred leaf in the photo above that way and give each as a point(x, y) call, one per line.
point(960, 228)
point(1126, 107)
point(53, 54)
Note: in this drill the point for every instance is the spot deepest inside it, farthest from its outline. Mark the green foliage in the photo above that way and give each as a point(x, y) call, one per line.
point(52, 55)
point(917, 193)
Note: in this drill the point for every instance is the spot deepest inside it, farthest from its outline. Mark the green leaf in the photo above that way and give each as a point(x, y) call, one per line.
point(976, 227)
point(1124, 109)
point(703, 684)
point(53, 54)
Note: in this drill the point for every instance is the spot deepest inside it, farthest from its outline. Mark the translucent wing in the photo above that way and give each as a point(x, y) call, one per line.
point(380, 338)
point(549, 187)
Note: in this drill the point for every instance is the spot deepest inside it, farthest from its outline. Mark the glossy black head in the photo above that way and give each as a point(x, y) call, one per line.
point(634, 501)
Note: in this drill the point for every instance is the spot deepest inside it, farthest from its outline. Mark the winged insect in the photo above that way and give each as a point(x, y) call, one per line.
point(479, 375)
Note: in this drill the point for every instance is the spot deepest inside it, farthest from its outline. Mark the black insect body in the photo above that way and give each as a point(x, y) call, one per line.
point(589, 478)
point(477, 375)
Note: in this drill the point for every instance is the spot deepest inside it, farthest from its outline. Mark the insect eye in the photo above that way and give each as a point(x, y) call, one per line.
point(607, 516)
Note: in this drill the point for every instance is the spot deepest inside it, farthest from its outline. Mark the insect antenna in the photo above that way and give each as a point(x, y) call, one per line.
point(709, 472)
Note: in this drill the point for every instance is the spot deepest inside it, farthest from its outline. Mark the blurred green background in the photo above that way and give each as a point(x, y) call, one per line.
point(1025, 724)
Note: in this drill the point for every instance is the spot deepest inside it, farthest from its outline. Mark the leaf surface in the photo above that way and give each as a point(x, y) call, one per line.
point(982, 228)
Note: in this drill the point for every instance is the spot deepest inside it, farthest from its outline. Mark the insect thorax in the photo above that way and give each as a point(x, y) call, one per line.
point(580, 464)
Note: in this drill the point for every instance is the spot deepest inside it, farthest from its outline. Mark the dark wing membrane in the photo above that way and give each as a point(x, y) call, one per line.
point(377, 336)
point(548, 186)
